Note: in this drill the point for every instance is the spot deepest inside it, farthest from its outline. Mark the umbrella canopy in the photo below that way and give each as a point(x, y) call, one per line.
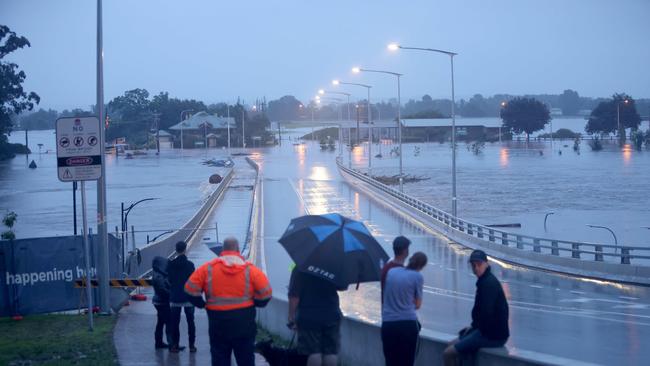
point(335, 248)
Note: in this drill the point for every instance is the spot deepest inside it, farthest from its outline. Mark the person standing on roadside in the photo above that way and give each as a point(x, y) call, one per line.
point(179, 270)
point(233, 288)
point(400, 327)
point(489, 316)
point(401, 251)
point(315, 314)
point(160, 300)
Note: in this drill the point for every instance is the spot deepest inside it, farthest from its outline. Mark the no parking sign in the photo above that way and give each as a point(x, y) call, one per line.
point(78, 151)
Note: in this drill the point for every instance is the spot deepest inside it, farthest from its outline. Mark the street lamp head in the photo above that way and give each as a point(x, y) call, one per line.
point(393, 47)
point(321, 91)
point(356, 70)
point(335, 82)
point(317, 101)
point(317, 97)
point(626, 101)
point(503, 104)
point(300, 106)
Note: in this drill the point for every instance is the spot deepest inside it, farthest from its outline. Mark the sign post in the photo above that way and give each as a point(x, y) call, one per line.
point(79, 158)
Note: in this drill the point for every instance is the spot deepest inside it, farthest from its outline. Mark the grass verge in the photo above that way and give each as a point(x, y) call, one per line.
point(57, 340)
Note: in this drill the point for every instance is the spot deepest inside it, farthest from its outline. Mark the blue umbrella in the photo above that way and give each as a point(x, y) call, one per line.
point(335, 248)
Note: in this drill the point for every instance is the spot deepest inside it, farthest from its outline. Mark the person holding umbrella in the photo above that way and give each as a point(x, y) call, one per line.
point(331, 252)
point(402, 297)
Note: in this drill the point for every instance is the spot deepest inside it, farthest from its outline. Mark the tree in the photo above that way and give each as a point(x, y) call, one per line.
point(285, 108)
point(40, 120)
point(475, 107)
point(569, 102)
point(605, 117)
point(13, 98)
point(525, 115)
point(130, 116)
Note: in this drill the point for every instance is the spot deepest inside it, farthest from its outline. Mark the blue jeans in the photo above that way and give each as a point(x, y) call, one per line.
point(473, 340)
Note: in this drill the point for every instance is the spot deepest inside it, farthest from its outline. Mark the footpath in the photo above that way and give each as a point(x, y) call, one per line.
point(133, 335)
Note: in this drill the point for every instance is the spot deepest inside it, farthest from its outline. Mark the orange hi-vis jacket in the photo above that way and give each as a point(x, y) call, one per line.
point(229, 283)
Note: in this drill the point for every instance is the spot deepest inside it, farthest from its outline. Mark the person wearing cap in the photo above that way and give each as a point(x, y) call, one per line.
point(401, 250)
point(402, 298)
point(489, 315)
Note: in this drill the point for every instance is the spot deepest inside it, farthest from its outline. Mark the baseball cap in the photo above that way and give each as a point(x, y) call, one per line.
point(401, 242)
point(478, 255)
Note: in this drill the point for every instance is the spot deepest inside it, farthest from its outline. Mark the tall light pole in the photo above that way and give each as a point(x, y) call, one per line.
point(322, 92)
point(618, 118)
point(357, 70)
point(338, 82)
point(182, 124)
point(102, 228)
point(610, 231)
point(338, 101)
point(503, 105)
point(395, 47)
point(228, 124)
point(243, 126)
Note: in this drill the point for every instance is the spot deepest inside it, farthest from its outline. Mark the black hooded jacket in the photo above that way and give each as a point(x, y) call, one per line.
point(490, 312)
point(179, 270)
point(159, 281)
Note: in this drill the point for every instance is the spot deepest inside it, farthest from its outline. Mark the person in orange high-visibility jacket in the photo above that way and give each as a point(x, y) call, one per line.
point(233, 288)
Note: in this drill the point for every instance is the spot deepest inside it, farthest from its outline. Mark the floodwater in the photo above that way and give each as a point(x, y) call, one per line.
point(515, 182)
point(179, 182)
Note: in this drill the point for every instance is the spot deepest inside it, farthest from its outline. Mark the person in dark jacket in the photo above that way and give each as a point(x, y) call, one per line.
point(489, 315)
point(179, 270)
point(161, 300)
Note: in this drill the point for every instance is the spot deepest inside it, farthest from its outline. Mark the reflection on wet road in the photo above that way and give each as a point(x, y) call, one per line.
point(581, 319)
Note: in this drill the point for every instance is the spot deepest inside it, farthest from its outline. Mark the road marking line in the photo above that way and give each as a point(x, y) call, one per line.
point(536, 286)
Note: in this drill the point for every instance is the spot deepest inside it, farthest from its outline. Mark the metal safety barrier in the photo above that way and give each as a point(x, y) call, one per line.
point(623, 254)
point(116, 282)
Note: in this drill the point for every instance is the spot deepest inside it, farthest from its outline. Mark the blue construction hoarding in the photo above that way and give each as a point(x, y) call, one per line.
point(37, 275)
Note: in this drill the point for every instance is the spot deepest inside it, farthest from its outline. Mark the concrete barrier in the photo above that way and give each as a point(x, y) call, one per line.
point(361, 343)
point(139, 267)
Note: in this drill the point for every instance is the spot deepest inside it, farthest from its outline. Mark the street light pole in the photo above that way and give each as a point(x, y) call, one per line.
point(228, 124)
point(394, 47)
point(618, 119)
point(182, 124)
point(243, 127)
point(102, 229)
point(608, 229)
point(399, 119)
point(338, 82)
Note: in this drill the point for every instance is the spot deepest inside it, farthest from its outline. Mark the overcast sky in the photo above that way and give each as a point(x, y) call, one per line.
point(215, 50)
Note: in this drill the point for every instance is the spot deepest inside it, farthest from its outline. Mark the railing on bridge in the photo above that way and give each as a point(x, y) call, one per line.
point(556, 247)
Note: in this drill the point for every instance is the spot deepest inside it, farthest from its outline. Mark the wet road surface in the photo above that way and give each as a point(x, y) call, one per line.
point(585, 320)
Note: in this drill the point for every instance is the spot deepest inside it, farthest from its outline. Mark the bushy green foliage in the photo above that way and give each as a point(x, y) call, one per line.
point(605, 117)
point(13, 98)
point(525, 115)
point(596, 144)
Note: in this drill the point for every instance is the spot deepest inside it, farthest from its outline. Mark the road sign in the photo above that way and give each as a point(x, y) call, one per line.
point(78, 152)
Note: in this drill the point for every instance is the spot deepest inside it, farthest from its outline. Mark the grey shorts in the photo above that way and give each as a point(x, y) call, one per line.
point(325, 340)
point(472, 341)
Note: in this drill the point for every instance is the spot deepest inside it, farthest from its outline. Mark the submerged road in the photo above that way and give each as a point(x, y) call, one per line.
point(586, 320)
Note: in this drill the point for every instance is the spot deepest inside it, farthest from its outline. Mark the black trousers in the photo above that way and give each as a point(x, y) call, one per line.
point(162, 314)
point(222, 346)
point(175, 321)
point(400, 340)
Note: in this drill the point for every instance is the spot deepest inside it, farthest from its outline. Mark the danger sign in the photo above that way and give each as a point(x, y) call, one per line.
point(78, 151)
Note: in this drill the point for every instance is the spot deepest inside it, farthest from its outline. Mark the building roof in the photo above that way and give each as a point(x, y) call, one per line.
point(197, 121)
point(446, 122)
